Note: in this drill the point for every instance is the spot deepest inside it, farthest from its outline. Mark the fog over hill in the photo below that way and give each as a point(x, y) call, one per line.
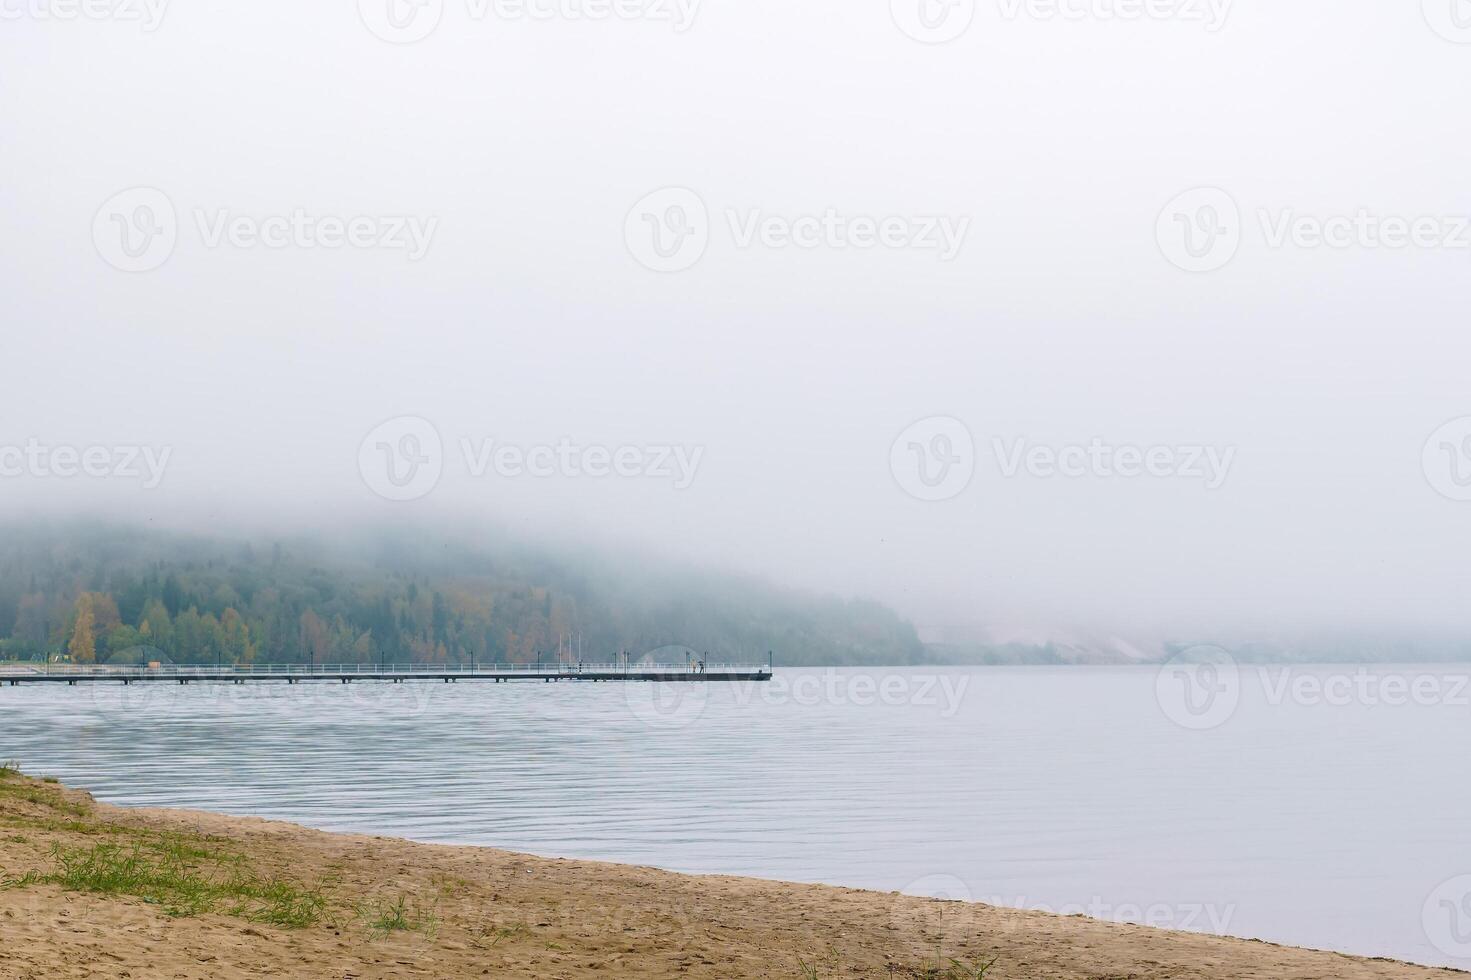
point(92, 591)
point(430, 594)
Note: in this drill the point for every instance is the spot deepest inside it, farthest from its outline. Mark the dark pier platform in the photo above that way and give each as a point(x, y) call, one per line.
point(391, 673)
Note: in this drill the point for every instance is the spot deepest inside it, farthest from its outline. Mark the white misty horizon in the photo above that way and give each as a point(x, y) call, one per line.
point(1021, 322)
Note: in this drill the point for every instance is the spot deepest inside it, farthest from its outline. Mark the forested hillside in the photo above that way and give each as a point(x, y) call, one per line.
point(91, 593)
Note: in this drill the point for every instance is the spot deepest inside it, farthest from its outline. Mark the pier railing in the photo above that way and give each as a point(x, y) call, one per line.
point(393, 670)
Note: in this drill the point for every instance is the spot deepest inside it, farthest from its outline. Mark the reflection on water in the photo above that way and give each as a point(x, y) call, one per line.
point(1305, 822)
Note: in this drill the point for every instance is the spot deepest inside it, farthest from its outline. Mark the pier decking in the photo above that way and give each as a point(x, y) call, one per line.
point(73, 674)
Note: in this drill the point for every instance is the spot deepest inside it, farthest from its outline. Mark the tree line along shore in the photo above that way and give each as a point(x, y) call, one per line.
point(88, 593)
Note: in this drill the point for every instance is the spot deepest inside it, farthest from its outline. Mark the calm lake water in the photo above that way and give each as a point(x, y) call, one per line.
point(1324, 807)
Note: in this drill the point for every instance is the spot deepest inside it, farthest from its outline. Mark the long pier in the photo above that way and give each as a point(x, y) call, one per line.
point(73, 674)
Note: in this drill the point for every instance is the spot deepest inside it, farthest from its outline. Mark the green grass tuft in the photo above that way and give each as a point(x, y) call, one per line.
point(385, 918)
point(41, 795)
point(183, 879)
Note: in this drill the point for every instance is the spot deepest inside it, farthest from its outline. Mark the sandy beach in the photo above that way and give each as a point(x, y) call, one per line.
point(92, 890)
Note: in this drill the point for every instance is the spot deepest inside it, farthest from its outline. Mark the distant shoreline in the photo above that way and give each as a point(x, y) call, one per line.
point(219, 896)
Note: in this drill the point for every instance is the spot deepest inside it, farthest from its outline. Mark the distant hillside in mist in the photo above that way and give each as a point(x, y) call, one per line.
point(1361, 648)
point(100, 591)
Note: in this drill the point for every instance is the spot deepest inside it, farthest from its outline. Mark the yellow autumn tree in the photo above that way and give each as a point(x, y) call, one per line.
point(83, 645)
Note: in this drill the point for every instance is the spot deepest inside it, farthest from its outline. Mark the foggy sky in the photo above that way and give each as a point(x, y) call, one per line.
point(530, 319)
